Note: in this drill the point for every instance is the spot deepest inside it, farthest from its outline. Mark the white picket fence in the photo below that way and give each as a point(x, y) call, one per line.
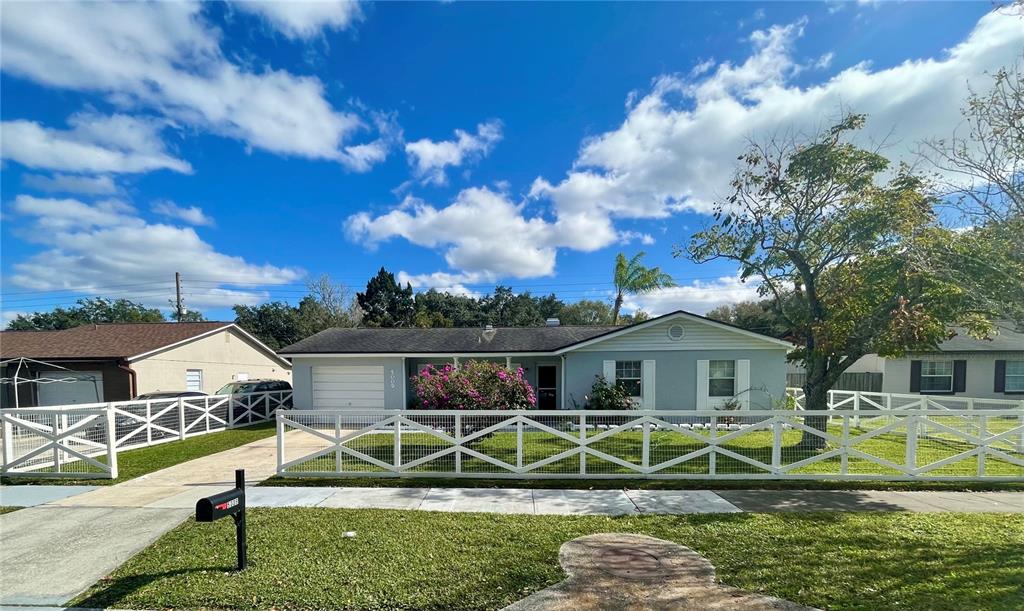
point(919, 444)
point(863, 400)
point(82, 441)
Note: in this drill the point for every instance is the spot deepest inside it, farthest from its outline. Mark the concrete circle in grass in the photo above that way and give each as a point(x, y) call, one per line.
point(625, 571)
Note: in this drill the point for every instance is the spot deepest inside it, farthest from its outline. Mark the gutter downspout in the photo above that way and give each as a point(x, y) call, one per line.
point(132, 378)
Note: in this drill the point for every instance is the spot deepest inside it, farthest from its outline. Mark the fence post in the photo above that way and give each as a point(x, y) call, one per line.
point(8, 441)
point(458, 443)
point(56, 441)
point(645, 461)
point(398, 442)
point(712, 455)
point(280, 443)
point(777, 445)
point(910, 461)
point(982, 434)
point(337, 442)
point(844, 455)
point(149, 423)
point(519, 443)
point(181, 416)
point(583, 446)
point(111, 441)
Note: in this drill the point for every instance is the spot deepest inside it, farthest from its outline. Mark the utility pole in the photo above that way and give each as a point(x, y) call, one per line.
point(177, 292)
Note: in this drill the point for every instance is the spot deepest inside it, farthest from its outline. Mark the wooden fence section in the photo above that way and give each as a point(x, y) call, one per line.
point(82, 441)
point(929, 444)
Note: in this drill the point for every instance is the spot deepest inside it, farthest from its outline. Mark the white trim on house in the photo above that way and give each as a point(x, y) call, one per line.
point(410, 355)
point(228, 326)
point(773, 343)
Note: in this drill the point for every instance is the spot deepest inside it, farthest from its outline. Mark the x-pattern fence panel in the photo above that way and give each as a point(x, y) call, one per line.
point(775, 444)
point(83, 440)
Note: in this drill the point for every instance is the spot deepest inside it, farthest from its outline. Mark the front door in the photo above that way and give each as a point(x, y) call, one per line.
point(547, 387)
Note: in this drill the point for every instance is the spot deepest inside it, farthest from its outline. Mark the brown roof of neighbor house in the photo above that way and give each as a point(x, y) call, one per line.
point(102, 340)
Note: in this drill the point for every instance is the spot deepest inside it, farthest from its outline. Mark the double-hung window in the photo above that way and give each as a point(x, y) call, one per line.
point(721, 378)
point(1014, 376)
point(936, 376)
point(628, 375)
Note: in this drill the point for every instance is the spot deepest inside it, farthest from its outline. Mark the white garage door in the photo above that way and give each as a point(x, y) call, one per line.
point(348, 386)
point(70, 387)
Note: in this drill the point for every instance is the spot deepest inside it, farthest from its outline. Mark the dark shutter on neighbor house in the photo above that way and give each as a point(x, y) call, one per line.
point(959, 376)
point(1000, 385)
point(915, 376)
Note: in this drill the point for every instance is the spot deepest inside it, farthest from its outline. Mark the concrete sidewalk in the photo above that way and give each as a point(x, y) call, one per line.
point(631, 502)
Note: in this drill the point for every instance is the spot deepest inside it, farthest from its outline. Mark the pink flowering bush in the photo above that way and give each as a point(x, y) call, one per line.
point(474, 385)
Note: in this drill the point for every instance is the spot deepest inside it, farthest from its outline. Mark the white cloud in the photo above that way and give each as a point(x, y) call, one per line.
point(698, 297)
point(481, 231)
point(677, 148)
point(429, 158)
point(162, 55)
point(94, 144)
point(678, 144)
point(193, 215)
point(105, 244)
point(68, 183)
point(444, 282)
point(299, 19)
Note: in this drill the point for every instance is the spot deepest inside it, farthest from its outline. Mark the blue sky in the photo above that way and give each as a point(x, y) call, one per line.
point(252, 146)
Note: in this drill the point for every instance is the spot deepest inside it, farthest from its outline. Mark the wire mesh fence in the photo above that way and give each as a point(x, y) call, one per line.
point(83, 440)
point(775, 444)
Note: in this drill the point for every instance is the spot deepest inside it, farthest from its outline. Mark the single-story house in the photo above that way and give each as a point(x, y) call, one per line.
point(982, 368)
point(115, 362)
point(678, 361)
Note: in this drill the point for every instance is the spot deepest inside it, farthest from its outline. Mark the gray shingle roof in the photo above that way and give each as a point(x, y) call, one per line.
point(460, 340)
point(1007, 340)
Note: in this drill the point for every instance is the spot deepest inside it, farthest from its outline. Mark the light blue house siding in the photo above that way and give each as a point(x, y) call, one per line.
point(677, 356)
point(675, 374)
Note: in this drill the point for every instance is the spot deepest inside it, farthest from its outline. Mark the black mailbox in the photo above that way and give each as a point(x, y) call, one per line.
point(220, 505)
point(224, 504)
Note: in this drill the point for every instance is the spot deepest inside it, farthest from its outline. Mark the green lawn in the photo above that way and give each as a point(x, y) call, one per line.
point(421, 560)
point(133, 463)
point(667, 445)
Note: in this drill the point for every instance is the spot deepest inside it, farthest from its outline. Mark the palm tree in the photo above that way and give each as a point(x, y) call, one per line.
point(634, 279)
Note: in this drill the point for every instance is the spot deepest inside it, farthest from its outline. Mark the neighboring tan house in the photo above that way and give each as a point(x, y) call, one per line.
point(679, 361)
point(115, 362)
point(982, 368)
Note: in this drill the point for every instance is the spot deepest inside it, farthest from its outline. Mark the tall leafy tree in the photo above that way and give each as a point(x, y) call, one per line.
point(586, 312)
point(813, 222)
point(632, 278)
point(979, 171)
point(759, 316)
point(87, 311)
point(386, 303)
point(277, 324)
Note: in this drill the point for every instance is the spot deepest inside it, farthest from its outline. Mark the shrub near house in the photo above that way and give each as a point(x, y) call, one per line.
point(474, 385)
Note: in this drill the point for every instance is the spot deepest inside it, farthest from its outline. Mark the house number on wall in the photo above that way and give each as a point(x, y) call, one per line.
point(392, 379)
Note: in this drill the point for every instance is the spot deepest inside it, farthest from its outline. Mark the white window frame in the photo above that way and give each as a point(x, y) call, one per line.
point(712, 377)
point(1018, 378)
point(639, 377)
point(200, 372)
point(935, 376)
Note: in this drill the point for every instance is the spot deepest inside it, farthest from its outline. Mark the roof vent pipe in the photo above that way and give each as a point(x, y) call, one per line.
point(552, 322)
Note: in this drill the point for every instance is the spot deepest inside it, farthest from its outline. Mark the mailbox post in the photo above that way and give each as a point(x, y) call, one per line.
point(229, 503)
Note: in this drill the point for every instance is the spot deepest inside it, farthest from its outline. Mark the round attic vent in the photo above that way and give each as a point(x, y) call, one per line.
point(676, 332)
